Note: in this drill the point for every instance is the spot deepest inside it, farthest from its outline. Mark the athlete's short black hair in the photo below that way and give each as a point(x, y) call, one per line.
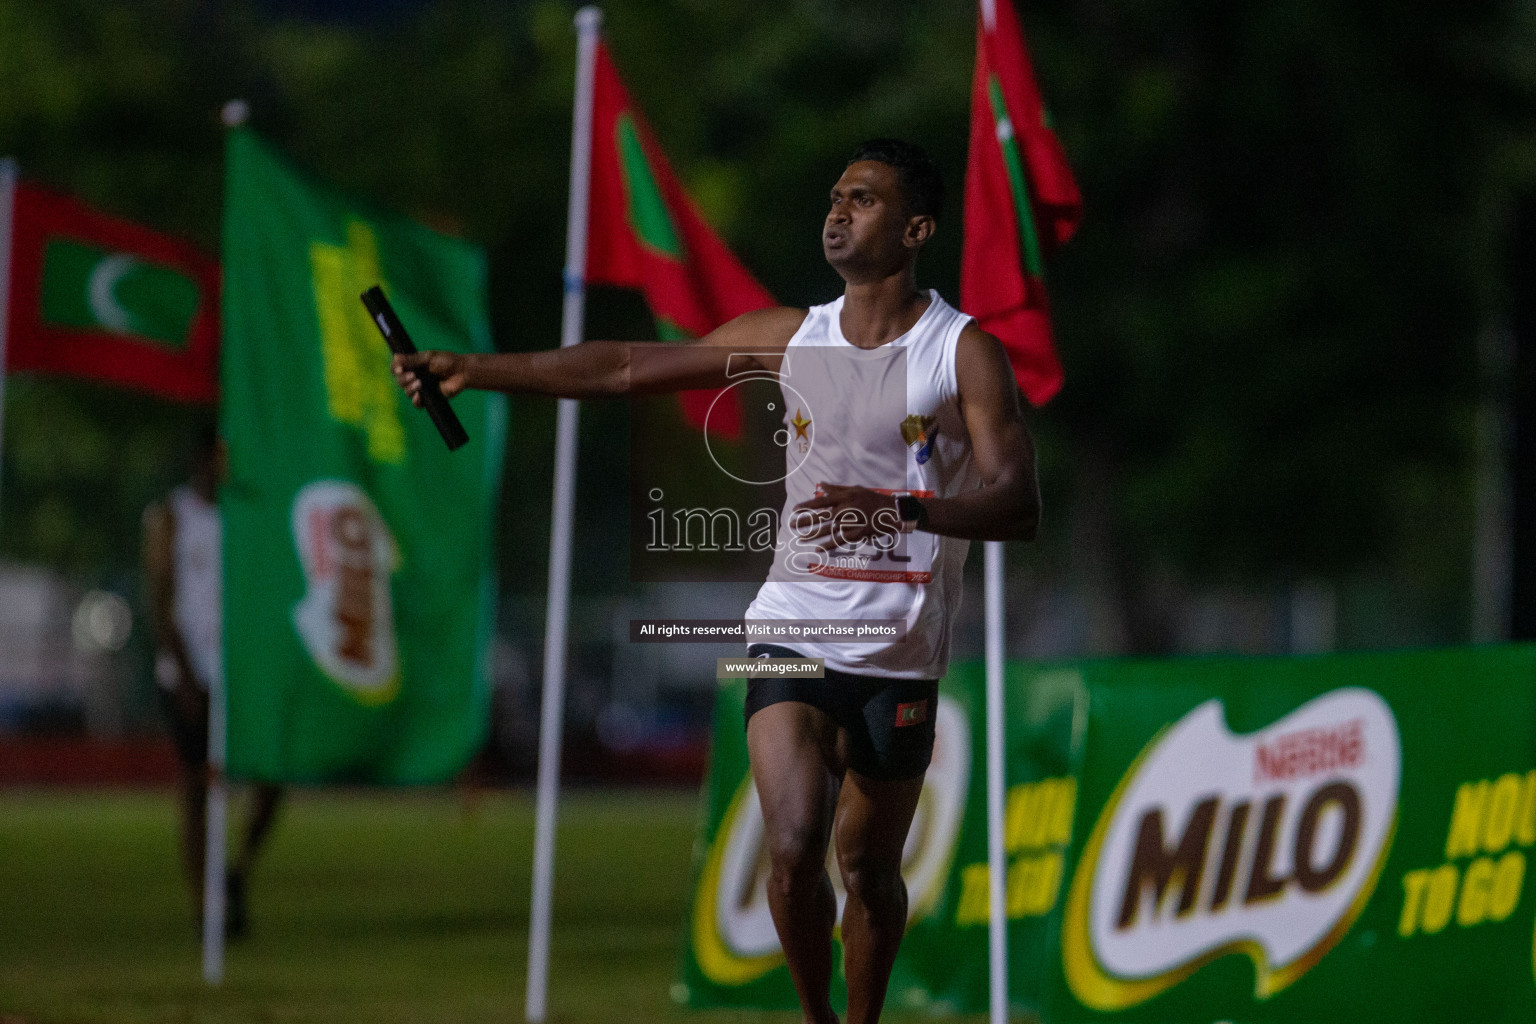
point(922, 186)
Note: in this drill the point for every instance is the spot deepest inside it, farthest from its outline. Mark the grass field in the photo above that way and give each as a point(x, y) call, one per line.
point(368, 907)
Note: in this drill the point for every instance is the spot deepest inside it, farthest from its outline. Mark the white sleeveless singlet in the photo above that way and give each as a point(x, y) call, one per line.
point(886, 418)
point(197, 607)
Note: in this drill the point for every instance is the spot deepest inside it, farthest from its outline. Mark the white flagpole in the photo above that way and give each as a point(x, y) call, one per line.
point(215, 829)
point(216, 810)
point(997, 859)
point(997, 864)
point(7, 216)
point(588, 21)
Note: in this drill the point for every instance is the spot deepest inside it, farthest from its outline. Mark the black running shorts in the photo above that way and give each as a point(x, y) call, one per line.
point(889, 721)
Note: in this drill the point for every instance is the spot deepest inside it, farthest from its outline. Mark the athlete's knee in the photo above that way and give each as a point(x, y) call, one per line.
point(797, 855)
point(870, 879)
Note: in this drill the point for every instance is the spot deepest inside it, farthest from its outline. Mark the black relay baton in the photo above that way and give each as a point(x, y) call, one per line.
point(383, 315)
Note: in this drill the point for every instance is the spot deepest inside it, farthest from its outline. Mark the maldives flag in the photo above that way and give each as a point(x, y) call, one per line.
point(645, 233)
point(1020, 202)
point(94, 296)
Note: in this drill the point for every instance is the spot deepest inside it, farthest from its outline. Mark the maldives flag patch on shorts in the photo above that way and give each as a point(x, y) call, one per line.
point(912, 713)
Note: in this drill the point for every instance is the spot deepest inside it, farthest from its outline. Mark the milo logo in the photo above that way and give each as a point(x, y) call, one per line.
point(346, 617)
point(1268, 845)
point(733, 936)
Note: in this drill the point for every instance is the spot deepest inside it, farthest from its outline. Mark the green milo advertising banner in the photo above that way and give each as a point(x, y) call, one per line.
point(1332, 838)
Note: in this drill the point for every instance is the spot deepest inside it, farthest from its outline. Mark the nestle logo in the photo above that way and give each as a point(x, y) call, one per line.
point(1310, 752)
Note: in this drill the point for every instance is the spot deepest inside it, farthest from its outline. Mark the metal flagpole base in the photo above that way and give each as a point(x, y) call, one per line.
point(997, 918)
point(216, 824)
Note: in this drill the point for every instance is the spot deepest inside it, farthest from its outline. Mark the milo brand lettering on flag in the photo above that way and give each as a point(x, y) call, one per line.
point(358, 587)
point(94, 296)
point(346, 619)
point(1324, 839)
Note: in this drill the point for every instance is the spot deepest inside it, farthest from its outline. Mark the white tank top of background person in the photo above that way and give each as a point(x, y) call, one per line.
point(197, 609)
point(886, 418)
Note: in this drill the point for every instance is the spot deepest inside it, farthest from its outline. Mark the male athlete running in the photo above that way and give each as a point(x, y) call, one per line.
point(844, 756)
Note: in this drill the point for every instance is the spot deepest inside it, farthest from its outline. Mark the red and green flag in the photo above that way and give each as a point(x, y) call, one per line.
point(1021, 202)
point(94, 296)
point(645, 233)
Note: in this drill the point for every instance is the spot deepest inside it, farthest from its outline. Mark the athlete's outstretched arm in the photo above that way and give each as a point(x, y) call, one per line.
point(1005, 507)
point(597, 369)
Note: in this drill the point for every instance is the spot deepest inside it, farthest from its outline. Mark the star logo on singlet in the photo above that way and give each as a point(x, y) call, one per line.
point(801, 425)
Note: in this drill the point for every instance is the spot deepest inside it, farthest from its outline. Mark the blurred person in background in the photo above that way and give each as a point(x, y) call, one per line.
point(182, 571)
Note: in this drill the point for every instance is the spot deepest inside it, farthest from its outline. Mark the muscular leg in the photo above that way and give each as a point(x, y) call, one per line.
point(187, 707)
point(265, 799)
point(194, 824)
point(873, 817)
point(264, 803)
point(790, 745)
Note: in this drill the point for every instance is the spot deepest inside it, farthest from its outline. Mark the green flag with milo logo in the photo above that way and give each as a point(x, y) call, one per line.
point(358, 582)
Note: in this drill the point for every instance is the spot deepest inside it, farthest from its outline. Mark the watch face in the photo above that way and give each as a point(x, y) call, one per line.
point(908, 508)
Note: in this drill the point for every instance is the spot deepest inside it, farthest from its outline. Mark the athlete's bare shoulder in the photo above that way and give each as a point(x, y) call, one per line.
point(772, 326)
point(980, 352)
point(762, 334)
point(982, 371)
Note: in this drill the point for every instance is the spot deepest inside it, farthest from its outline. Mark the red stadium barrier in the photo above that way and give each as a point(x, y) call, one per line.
point(79, 760)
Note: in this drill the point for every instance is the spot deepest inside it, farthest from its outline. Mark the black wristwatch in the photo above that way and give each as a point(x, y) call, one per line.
point(913, 515)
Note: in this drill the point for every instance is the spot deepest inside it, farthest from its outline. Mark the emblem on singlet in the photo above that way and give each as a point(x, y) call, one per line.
point(920, 432)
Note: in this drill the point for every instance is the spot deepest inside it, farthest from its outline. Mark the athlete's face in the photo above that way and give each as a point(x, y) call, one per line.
point(868, 232)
